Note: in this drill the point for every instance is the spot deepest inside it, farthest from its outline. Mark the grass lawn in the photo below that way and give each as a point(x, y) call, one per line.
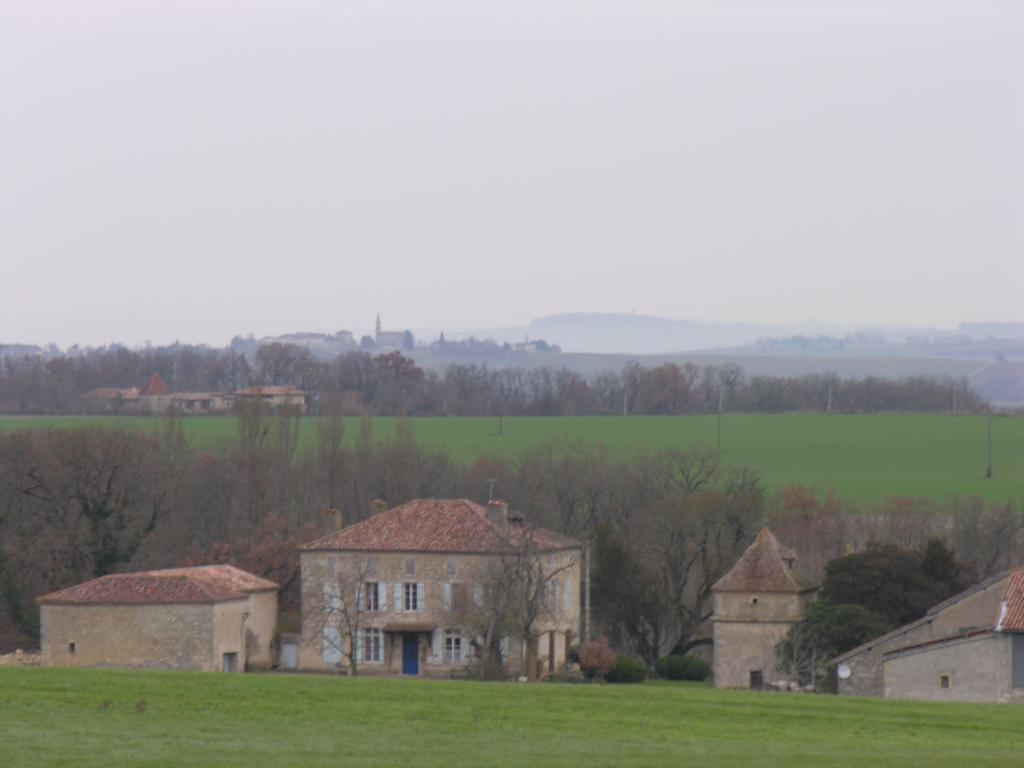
point(863, 457)
point(59, 717)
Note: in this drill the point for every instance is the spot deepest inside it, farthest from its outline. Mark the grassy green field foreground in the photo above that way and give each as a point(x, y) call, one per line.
point(54, 717)
point(863, 458)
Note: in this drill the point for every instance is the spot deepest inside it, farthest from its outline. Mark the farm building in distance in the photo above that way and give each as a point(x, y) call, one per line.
point(207, 618)
point(423, 570)
point(755, 604)
point(156, 398)
point(967, 648)
point(275, 396)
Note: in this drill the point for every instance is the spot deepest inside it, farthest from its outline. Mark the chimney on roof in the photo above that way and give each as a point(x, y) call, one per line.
point(332, 520)
point(377, 506)
point(497, 512)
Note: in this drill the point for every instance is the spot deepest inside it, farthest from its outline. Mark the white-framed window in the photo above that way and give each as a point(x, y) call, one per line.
point(412, 597)
point(410, 567)
point(449, 566)
point(372, 646)
point(371, 596)
point(452, 647)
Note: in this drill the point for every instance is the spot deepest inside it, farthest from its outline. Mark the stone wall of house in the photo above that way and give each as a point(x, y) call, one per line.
point(433, 571)
point(976, 668)
point(977, 610)
point(157, 636)
point(261, 626)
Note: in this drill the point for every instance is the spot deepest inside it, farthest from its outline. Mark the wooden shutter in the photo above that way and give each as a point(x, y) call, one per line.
point(398, 597)
point(357, 640)
point(382, 596)
point(437, 646)
point(359, 597)
point(478, 595)
point(331, 645)
point(448, 597)
point(421, 595)
point(567, 594)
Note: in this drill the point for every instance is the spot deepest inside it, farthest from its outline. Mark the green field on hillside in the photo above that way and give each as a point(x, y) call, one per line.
point(863, 458)
point(60, 717)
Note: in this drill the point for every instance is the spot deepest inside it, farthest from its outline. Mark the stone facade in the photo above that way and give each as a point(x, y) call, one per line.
point(973, 609)
point(447, 589)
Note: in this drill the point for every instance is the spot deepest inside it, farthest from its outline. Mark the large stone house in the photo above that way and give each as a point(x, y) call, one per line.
point(418, 578)
point(755, 604)
point(209, 618)
point(968, 648)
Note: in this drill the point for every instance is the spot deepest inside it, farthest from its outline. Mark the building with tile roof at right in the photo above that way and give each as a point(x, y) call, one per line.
point(967, 648)
point(755, 604)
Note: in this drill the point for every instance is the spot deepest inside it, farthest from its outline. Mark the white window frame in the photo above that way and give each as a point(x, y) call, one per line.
point(454, 653)
point(411, 602)
point(371, 591)
point(372, 646)
point(449, 566)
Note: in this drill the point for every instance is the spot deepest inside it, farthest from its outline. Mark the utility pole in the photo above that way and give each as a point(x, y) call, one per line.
point(625, 402)
point(828, 403)
point(954, 398)
point(490, 496)
point(586, 591)
point(718, 423)
point(988, 472)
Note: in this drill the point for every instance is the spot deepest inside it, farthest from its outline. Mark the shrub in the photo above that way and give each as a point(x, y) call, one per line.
point(627, 670)
point(487, 669)
point(573, 654)
point(596, 658)
point(682, 668)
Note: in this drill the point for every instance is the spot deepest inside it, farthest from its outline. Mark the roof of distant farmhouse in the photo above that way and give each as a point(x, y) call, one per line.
point(438, 525)
point(201, 584)
point(155, 386)
point(199, 396)
point(113, 393)
point(766, 566)
point(269, 391)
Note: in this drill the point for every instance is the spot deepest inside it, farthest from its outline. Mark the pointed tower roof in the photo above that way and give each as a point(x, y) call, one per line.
point(155, 386)
point(766, 566)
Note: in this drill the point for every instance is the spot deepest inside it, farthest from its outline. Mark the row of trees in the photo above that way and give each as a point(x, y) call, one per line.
point(392, 384)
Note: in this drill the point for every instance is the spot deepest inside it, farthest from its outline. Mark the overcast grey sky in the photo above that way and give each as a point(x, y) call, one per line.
point(195, 170)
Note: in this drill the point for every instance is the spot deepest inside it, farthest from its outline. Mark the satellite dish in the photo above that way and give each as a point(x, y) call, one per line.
point(843, 672)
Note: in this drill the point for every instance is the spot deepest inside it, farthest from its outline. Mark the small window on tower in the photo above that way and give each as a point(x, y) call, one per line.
point(944, 681)
point(71, 648)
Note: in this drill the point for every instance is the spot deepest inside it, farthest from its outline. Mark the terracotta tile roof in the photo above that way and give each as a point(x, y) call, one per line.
point(762, 569)
point(199, 396)
point(436, 525)
point(155, 386)
point(1012, 618)
point(269, 391)
point(202, 584)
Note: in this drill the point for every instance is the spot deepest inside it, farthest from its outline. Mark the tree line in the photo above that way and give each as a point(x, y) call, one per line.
point(662, 526)
point(393, 384)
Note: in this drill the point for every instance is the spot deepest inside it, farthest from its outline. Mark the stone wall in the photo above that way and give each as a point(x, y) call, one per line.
point(746, 628)
point(157, 636)
point(975, 610)
point(976, 668)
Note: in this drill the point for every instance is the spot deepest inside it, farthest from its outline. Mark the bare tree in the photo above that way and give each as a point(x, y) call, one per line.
point(339, 611)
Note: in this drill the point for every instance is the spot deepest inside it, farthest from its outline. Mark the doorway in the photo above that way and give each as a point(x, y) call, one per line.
point(230, 662)
point(410, 654)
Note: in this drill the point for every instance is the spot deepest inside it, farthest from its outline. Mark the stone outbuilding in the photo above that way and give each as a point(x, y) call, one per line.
point(968, 648)
point(210, 618)
point(755, 604)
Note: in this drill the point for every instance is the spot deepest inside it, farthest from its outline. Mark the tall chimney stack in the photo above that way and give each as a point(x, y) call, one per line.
point(497, 512)
point(332, 520)
point(377, 506)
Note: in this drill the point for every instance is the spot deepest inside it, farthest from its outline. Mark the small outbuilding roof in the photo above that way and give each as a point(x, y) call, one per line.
point(437, 525)
point(766, 566)
point(201, 584)
point(269, 391)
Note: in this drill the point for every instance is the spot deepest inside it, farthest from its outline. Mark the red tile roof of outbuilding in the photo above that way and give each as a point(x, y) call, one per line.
point(1012, 620)
point(437, 525)
point(202, 584)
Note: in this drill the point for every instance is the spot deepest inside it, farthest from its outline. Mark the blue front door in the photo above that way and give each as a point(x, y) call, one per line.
point(410, 654)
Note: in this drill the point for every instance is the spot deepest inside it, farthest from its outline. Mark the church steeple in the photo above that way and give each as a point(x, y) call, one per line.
point(376, 335)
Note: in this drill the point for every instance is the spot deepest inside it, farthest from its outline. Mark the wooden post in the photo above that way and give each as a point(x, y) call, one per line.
point(586, 591)
point(988, 472)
